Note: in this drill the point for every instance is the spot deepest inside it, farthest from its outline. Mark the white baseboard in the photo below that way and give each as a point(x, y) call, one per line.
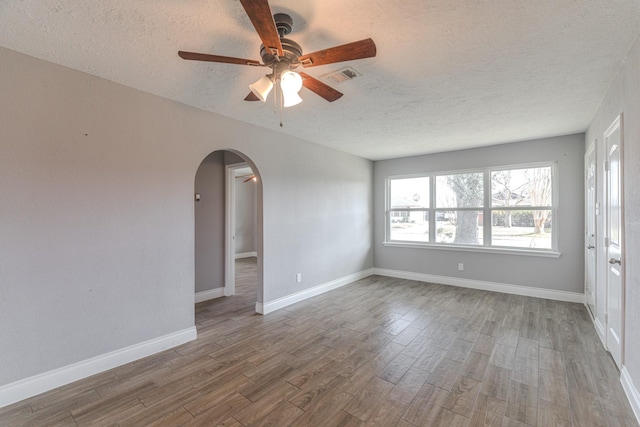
point(597, 325)
point(485, 286)
point(29, 387)
point(600, 330)
point(265, 308)
point(311, 292)
point(246, 255)
point(210, 294)
point(631, 391)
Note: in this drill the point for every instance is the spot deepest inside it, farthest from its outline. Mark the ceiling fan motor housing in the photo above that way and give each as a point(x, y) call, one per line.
point(292, 51)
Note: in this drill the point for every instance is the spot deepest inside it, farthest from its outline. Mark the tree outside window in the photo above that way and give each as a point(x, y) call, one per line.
point(522, 205)
point(462, 197)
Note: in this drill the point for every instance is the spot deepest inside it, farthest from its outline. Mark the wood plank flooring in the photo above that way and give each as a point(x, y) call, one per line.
point(380, 351)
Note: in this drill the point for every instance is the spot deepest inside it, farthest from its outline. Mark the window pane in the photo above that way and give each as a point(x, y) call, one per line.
point(411, 226)
point(409, 193)
point(463, 190)
point(521, 187)
point(521, 228)
point(459, 227)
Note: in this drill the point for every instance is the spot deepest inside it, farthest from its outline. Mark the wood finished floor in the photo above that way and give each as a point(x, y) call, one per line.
point(380, 351)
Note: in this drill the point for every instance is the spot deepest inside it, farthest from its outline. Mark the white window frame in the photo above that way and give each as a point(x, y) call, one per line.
point(389, 209)
point(487, 210)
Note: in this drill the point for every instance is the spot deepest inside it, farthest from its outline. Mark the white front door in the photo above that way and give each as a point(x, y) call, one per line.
point(590, 229)
point(614, 244)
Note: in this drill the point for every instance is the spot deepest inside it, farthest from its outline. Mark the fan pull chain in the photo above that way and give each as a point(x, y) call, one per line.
point(281, 104)
point(280, 115)
point(275, 96)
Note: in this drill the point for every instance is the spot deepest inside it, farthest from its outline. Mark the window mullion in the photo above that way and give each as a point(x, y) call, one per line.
point(523, 208)
point(432, 208)
point(387, 202)
point(486, 216)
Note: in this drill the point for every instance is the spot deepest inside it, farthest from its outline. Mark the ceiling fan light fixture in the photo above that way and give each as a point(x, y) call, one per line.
point(262, 87)
point(290, 83)
point(290, 99)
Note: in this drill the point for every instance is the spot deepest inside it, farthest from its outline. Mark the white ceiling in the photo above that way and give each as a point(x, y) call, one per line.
point(449, 74)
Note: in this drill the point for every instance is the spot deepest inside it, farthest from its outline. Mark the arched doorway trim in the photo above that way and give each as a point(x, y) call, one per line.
point(231, 163)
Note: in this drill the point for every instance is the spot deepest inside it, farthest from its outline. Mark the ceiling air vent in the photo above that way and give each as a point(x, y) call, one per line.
point(342, 75)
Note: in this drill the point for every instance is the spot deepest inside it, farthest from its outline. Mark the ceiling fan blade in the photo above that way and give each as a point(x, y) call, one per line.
point(346, 52)
point(251, 97)
point(217, 58)
point(319, 88)
point(262, 19)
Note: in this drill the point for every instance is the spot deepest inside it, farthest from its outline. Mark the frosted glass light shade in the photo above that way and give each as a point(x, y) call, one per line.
point(290, 82)
point(262, 87)
point(290, 99)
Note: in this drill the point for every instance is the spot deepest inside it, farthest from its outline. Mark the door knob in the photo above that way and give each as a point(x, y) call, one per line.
point(590, 247)
point(614, 261)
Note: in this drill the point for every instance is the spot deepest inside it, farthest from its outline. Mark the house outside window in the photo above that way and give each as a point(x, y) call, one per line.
point(409, 203)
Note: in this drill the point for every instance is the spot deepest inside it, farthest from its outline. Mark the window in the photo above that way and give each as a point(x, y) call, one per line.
point(521, 208)
point(459, 201)
point(409, 209)
point(495, 207)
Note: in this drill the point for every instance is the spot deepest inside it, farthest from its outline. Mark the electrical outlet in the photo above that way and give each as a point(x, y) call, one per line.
point(298, 277)
point(460, 266)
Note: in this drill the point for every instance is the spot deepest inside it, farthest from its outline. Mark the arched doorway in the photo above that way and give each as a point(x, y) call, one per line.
point(222, 193)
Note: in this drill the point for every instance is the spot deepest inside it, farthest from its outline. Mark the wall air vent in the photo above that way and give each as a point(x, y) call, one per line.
point(342, 75)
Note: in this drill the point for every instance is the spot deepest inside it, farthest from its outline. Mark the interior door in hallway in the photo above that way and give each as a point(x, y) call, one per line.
point(590, 228)
point(614, 241)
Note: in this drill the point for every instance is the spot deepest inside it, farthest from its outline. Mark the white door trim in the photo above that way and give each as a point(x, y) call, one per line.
point(230, 227)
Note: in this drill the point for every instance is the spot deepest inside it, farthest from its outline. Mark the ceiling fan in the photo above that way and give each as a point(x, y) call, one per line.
point(284, 56)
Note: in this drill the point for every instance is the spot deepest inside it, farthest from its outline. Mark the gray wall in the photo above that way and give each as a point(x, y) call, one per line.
point(210, 222)
point(624, 96)
point(319, 219)
point(246, 216)
point(565, 273)
point(97, 213)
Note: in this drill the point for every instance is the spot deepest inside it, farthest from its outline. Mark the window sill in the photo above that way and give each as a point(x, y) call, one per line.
point(491, 250)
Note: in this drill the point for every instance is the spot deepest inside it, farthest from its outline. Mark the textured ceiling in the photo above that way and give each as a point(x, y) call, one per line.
point(449, 74)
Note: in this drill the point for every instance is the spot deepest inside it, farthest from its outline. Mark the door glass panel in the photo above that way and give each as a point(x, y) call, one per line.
point(614, 164)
